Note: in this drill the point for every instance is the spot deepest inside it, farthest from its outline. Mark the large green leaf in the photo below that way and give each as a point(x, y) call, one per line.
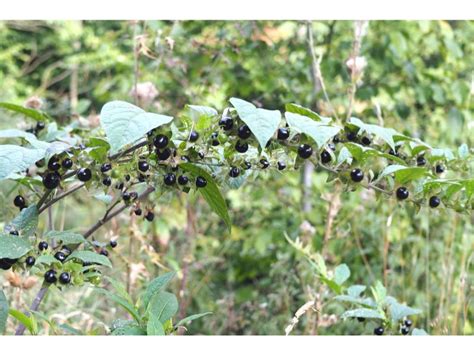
point(15, 159)
point(295, 108)
point(363, 313)
point(3, 311)
point(154, 326)
point(399, 311)
point(263, 123)
point(155, 286)
point(125, 123)
point(163, 306)
point(13, 247)
point(29, 112)
point(385, 133)
point(341, 274)
point(90, 257)
point(320, 132)
point(403, 174)
point(29, 137)
point(28, 321)
point(130, 308)
point(27, 221)
point(211, 192)
point(67, 237)
point(192, 317)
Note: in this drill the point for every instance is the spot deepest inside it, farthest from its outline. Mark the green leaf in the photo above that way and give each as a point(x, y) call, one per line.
point(29, 322)
point(47, 260)
point(399, 311)
point(379, 292)
point(67, 237)
point(344, 156)
point(125, 123)
point(190, 318)
point(403, 174)
point(13, 247)
point(318, 131)
point(129, 330)
point(26, 221)
point(163, 306)
point(107, 199)
point(211, 193)
point(368, 302)
point(463, 151)
point(90, 257)
point(303, 111)
point(29, 137)
point(127, 306)
point(155, 286)
point(154, 326)
point(341, 274)
point(263, 123)
point(120, 288)
point(386, 134)
point(15, 159)
point(364, 313)
point(356, 290)
point(29, 112)
point(418, 331)
point(3, 311)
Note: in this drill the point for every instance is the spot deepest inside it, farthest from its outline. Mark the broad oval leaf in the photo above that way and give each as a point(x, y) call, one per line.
point(163, 306)
point(15, 159)
point(27, 221)
point(263, 123)
point(67, 237)
point(155, 286)
point(403, 174)
point(13, 247)
point(341, 274)
point(154, 327)
point(90, 257)
point(318, 131)
point(125, 123)
point(364, 313)
point(29, 112)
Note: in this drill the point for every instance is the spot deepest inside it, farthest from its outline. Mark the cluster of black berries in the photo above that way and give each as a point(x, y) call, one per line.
point(405, 327)
point(7, 263)
point(56, 167)
point(40, 125)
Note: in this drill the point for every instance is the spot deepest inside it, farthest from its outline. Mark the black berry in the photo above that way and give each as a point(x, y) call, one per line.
point(366, 141)
point(305, 151)
point(84, 174)
point(351, 136)
point(107, 181)
point(138, 211)
point(126, 196)
point(283, 134)
point(143, 166)
point(119, 186)
point(50, 276)
point(244, 132)
point(42, 246)
point(420, 161)
point(163, 154)
point(241, 147)
point(14, 232)
point(215, 141)
point(201, 155)
point(265, 164)
point(104, 252)
point(149, 216)
point(19, 201)
point(65, 278)
point(201, 181)
point(379, 331)
point(6, 263)
point(325, 157)
point(408, 323)
point(67, 163)
point(281, 165)
point(434, 201)
point(193, 136)
point(357, 175)
point(183, 179)
point(105, 167)
point(40, 125)
point(113, 243)
point(169, 179)
point(53, 164)
point(402, 193)
point(405, 330)
point(51, 180)
point(439, 169)
point(234, 172)
point(60, 256)
point(226, 123)
point(30, 261)
point(127, 177)
point(247, 165)
point(160, 141)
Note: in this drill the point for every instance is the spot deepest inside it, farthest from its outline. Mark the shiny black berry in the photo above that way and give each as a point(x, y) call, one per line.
point(143, 166)
point(351, 136)
point(84, 174)
point(30, 261)
point(14, 232)
point(65, 278)
point(226, 123)
point(402, 193)
point(305, 151)
point(53, 164)
point(201, 155)
point(127, 177)
point(408, 323)
point(193, 136)
point(234, 172)
point(6, 263)
point(160, 141)
point(40, 125)
point(281, 165)
point(113, 243)
point(265, 164)
point(105, 167)
point(201, 181)
point(119, 186)
point(434, 201)
point(247, 165)
point(366, 141)
point(51, 180)
point(67, 164)
point(357, 175)
point(126, 196)
point(404, 330)
point(104, 252)
point(439, 169)
point(379, 331)
point(283, 133)
point(163, 154)
point(138, 211)
point(241, 147)
point(183, 179)
point(42, 246)
point(215, 141)
point(19, 201)
point(244, 132)
point(169, 179)
point(325, 157)
point(60, 256)
point(149, 216)
point(420, 161)
point(50, 276)
point(107, 181)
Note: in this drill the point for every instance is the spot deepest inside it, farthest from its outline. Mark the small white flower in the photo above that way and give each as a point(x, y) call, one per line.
point(356, 65)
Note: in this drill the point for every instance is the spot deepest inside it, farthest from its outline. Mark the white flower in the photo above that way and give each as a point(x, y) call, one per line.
point(356, 65)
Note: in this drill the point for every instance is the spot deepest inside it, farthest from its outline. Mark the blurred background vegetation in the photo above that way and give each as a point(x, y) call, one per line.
point(417, 78)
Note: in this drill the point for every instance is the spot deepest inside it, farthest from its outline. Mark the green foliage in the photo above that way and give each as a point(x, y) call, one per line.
point(13, 247)
point(3, 311)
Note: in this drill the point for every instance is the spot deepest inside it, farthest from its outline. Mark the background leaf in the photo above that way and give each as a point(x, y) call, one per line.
point(318, 131)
